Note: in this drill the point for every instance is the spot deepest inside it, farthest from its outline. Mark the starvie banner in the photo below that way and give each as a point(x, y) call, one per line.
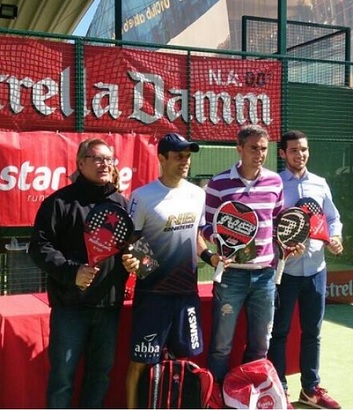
point(35, 164)
point(122, 90)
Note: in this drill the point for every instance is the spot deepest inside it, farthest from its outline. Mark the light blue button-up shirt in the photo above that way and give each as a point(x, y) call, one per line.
point(313, 186)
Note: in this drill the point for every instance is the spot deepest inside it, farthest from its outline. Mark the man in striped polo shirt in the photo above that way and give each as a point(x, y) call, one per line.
point(248, 284)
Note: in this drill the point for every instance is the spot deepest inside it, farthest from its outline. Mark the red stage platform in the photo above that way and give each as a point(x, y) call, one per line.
point(24, 365)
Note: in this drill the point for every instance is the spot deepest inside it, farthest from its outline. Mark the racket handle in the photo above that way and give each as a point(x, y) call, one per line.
point(156, 378)
point(279, 271)
point(217, 276)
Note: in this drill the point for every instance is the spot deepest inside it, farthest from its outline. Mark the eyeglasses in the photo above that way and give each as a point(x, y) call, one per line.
point(97, 159)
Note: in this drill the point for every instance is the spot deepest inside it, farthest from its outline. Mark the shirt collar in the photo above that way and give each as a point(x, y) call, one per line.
point(288, 175)
point(234, 172)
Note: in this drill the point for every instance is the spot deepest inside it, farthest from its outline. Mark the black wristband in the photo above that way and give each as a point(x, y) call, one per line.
point(206, 256)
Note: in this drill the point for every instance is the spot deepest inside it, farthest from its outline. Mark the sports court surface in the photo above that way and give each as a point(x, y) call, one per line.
point(336, 369)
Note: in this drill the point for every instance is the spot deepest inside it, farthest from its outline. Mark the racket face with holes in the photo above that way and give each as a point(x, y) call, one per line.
point(318, 222)
point(108, 229)
point(235, 225)
point(291, 228)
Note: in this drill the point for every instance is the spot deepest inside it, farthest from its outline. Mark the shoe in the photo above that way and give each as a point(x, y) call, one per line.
point(289, 404)
point(216, 400)
point(318, 398)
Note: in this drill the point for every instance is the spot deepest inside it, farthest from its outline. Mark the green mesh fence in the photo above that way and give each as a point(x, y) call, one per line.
point(319, 42)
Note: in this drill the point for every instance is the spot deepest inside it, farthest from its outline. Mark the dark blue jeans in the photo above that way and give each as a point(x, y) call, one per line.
point(309, 292)
point(75, 332)
point(253, 289)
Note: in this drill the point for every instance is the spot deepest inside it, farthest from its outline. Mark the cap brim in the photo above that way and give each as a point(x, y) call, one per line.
point(192, 145)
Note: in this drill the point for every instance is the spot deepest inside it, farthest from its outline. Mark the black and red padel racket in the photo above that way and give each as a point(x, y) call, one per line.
point(291, 228)
point(107, 231)
point(235, 226)
point(318, 222)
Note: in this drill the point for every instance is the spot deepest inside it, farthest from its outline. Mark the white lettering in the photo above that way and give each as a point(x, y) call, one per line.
point(110, 94)
point(146, 350)
point(35, 198)
point(125, 177)
point(158, 85)
point(6, 175)
point(334, 290)
point(253, 107)
point(65, 96)
point(43, 178)
point(44, 90)
point(15, 92)
point(180, 100)
point(216, 77)
point(28, 177)
point(240, 107)
point(172, 103)
point(193, 328)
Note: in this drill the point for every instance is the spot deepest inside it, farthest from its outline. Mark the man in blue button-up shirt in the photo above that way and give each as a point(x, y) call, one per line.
point(304, 278)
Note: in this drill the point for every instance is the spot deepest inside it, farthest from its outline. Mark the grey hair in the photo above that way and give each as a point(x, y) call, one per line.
point(252, 130)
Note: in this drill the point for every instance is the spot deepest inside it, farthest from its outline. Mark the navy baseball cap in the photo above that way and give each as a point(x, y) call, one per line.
point(177, 143)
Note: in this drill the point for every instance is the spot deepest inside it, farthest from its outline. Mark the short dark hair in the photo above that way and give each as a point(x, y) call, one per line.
point(291, 136)
point(250, 131)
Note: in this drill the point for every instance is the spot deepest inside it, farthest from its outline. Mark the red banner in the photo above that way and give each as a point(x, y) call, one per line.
point(124, 90)
point(35, 164)
point(339, 288)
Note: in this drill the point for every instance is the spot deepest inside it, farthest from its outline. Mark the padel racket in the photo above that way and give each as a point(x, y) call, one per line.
point(234, 225)
point(107, 231)
point(318, 222)
point(291, 228)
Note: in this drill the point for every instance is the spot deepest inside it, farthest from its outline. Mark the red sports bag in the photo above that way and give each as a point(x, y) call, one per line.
point(175, 384)
point(254, 385)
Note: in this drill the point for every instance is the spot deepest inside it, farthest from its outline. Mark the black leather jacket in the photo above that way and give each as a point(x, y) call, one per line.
point(57, 247)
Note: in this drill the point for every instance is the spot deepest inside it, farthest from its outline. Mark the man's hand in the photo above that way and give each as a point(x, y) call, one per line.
point(335, 246)
point(216, 258)
point(131, 264)
point(298, 250)
point(226, 262)
point(85, 276)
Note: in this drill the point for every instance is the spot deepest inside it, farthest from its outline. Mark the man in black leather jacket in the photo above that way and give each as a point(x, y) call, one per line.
point(85, 300)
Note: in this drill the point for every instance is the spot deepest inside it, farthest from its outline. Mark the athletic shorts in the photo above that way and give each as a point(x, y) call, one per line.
point(171, 321)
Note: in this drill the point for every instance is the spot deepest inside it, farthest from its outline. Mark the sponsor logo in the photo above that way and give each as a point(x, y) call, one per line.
point(194, 336)
point(147, 349)
point(184, 220)
point(42, 178)
point(236, 224)
point(28, 177)
point(265, 402)
point(237, 107)
point(337, 290)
